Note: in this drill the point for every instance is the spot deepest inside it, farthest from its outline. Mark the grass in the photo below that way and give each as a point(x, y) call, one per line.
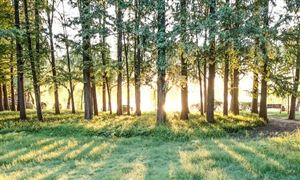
point(111, 147)
point(282, 115)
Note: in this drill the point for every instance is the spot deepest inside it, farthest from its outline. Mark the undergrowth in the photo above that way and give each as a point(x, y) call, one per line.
point(106, 125)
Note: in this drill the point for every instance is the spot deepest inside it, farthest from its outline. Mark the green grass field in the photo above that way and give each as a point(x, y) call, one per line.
point(111, 147)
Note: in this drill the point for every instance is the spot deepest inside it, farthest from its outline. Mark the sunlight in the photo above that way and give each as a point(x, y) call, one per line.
point(262, 156)
point(243, 162)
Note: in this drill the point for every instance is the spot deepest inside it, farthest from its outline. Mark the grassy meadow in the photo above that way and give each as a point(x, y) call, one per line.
point(127, 147)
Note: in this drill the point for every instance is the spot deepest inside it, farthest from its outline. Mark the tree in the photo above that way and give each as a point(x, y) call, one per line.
point(211, 65)
point(295, 46)
point(50, 18)
point(161, 62)
point(85, 19)
point(119, 49)
point(137, 59)
point(263, 46)
point(20, 64)
point(33, 65)
point(184, 66)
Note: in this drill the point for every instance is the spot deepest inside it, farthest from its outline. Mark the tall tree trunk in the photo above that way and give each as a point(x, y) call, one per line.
point(264, 86)
point(68, 61)
point(12, 86)
point(254, 106)
point(70, 80)
point(87, 61)
point(161, 62)
point(53, 61)
point(184, 67)
point(226, 79)
point(235, 92)
point(137, 61)
point(109, 96)
point(33, 65)
point(119, 48)
point(20, 66)
point(5, 97)
point(200, 85)
point(296, 82)
point(205, 76)
point(94, 96)
point(211, 69)
point(294, 97)
point(226, 73)
point(126, 47)
point(69, 100)
point(1, 99)
point(103, 95)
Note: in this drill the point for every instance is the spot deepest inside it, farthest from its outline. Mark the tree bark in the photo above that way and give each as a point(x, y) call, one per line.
point(20, 65)
point(211, 69)
point(200, 86)
point(33, 65)
point(5, 97)
point(12, 86)
point(1, 99)
point(161, 62)
point(53, 61)
point(137, 61)
point(264, 86)
point(68, 62)
point(294, 97)
point(126, 47)
point(226, 79)
point(69, 101)
point(184, 66)
point(103, 95)
point(235, 92)
point(87, 61)
point(254, 106)
point(292, 113)
point(119, 49)
point(94, 96)
point(205, 76)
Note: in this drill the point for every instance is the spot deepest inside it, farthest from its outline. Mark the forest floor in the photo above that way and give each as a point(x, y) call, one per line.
point(129, 147)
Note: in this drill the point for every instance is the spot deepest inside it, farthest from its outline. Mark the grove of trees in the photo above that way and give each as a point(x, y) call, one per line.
point(156, 43)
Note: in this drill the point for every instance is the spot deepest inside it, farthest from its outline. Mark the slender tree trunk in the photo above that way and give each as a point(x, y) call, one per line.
point(1, 99)
point(137, 61)
point(264, 86)
point(226, 79)
point(33, 65)
point(20, 66)
point(235, 91)
point(200, 86)
point(119, 48)
point(87, 61)
point(70, 80)
point(103, 95)
point(254, 106)
point(109, 96)
point(5, 97)
point(294, 97)
point(292, 113)
point(211, 69)
point(161, 62)
point(53, 61)
point(69, 101)
point(205, 76)
point(94, 96)
point(12, 86)
point(184, 67)
point(126, 47)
